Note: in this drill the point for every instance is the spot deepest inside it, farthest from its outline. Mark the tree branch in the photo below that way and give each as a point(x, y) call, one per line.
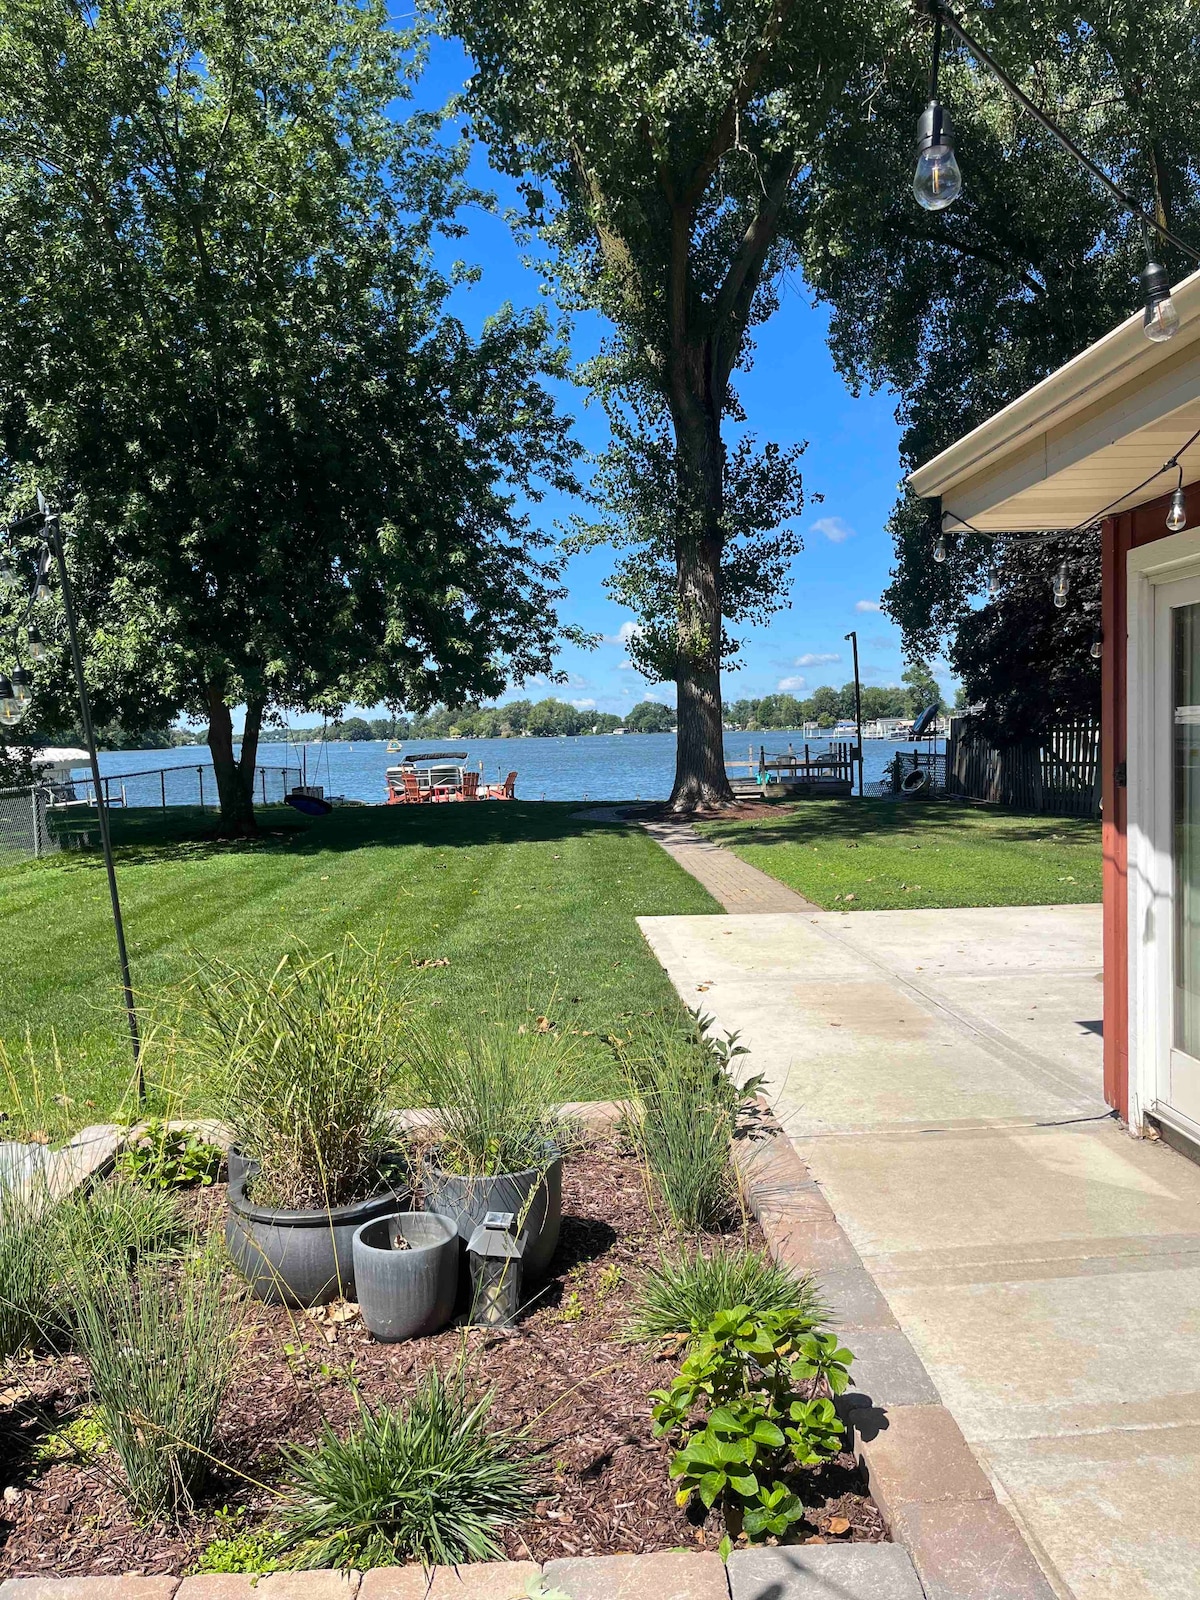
point(739, 98)
point(731, 310)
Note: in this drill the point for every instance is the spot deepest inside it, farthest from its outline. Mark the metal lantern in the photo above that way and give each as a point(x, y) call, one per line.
point(496, 1249)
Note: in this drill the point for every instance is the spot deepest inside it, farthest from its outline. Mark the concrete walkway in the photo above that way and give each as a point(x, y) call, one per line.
point(940, 1073)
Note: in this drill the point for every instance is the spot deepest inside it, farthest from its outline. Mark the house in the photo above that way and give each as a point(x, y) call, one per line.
point(1108, 439)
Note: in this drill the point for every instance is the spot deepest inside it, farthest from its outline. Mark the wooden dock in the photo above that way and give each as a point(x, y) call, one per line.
point(805, 773)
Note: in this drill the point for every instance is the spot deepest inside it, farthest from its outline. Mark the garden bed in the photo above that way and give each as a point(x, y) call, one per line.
point(563, 1373)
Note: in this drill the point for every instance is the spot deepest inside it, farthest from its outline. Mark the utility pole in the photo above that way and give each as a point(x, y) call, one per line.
point(852, 636)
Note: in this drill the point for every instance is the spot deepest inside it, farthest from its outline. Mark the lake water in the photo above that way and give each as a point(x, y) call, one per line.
point(593, 767)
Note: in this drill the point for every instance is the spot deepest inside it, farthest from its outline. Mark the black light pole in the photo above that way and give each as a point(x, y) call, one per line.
point(53, 535)
point(853, 638)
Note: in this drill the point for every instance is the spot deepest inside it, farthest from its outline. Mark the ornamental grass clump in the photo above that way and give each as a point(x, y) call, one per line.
point(684, 1102)
point(429, 1480)
point(159, 1350)
point(496, 1095)
point(52, 1244)
point(683, 1293)
point(304, 1058)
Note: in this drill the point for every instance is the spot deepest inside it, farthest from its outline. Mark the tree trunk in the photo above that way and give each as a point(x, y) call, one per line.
point(700, 776)
point(234, 775)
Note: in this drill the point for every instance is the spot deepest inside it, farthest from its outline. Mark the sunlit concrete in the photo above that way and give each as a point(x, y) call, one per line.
point(940, 1071)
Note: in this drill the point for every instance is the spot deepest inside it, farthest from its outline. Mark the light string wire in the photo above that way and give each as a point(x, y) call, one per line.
point(942, 14)
point(1088, 524)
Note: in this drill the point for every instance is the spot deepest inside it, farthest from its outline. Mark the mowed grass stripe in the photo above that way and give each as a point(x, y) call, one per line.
point(530, 906)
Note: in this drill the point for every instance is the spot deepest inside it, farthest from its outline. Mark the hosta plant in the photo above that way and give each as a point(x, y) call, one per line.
point(751, 1404)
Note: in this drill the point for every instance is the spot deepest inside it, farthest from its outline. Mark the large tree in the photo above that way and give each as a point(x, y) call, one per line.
point(665, 151)
point(963, 310)
point(291, 478)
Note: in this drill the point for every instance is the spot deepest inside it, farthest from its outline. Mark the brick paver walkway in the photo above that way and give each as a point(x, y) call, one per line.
point(739, 887)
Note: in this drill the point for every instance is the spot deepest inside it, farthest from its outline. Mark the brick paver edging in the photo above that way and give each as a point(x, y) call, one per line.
point(935, 1498)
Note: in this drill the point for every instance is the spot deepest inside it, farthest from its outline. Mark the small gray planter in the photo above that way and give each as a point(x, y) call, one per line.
point(535, 1197)
point(404, 1294)
point(301, 1258)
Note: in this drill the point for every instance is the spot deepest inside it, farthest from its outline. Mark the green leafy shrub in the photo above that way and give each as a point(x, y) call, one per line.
point(684, 1292)
point(81, 1439)
point(303, 1059)
point(749, 1405)
point(496, 1094)
point(162, 1157)
point(236, 1548)
point(159, 1350)
point(429, 1480)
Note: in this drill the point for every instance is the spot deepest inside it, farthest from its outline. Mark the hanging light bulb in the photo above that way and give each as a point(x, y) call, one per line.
point(1177, 515)
point(7, 575)
point(939, 549)
point(1097, 649)
point(42, 588)
point(1161, 319)
point(22, 686)
point(993, 582)
point(1062, 585)
point(36, 647)
point(937, 181)
point(10, 712)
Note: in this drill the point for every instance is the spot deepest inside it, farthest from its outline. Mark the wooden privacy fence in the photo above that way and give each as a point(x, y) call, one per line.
point(1057, 772)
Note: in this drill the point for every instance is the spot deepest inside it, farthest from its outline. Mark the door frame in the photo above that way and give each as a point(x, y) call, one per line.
point(1150, 873)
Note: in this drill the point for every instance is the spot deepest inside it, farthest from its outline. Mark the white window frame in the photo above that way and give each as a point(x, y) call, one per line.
point(1148, 839)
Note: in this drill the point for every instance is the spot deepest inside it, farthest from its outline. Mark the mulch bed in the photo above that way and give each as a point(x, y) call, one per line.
point(564, 1373)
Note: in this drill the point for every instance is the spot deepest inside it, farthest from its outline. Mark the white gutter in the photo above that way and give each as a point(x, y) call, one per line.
point(1104, 366)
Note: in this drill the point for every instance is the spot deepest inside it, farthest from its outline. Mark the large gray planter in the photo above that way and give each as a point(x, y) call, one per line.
point(301, 1258)
point(404, 1294)
point(535, 1197)
point(240, 1167)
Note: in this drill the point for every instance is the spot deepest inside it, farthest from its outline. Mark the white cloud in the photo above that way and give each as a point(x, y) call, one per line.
point(817, 660)
point(651, 695)
point(790, 685)
point(867, 605)
point(626, 632)
point(625, 666)
point(835, 529)
point(584, 705)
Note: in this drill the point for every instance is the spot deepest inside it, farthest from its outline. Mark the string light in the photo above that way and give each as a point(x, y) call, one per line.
point(34, 640)
point(1160, 319)
point(1097, 649)
point(1062, 585)
point(937, 181)
point(939, 550)
point(1177, 515)
point(993, 581)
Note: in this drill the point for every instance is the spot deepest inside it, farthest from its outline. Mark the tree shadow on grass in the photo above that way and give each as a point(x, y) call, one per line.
point(150, 838)
point(849, 821)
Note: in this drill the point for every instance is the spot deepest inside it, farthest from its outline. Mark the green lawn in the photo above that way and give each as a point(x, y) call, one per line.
point(871, 855)
point(530, 906)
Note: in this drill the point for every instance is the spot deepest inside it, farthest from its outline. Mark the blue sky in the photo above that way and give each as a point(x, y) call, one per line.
point(792, 393)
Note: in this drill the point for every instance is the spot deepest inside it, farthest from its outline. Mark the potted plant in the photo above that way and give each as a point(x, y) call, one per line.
point(406, 1273)
point(305, 1064)
point(496, 1138)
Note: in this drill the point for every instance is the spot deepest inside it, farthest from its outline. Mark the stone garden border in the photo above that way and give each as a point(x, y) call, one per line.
point(953, 1539)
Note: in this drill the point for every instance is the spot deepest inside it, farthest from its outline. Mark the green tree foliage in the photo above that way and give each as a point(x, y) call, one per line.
point(650, 716)
point(293, 480)
point(666, 152)
point(962, 310)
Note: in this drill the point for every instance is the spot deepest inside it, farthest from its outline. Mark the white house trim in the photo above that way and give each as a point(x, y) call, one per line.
point(1148, 827)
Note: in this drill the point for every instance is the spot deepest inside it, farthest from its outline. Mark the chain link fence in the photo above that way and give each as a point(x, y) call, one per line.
point(48, 817)
point(24, 824)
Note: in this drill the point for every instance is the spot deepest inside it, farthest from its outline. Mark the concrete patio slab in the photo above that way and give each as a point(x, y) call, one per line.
point(940, 1073)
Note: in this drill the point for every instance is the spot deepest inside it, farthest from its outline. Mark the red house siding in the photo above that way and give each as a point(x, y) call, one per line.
point(1120, 535)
